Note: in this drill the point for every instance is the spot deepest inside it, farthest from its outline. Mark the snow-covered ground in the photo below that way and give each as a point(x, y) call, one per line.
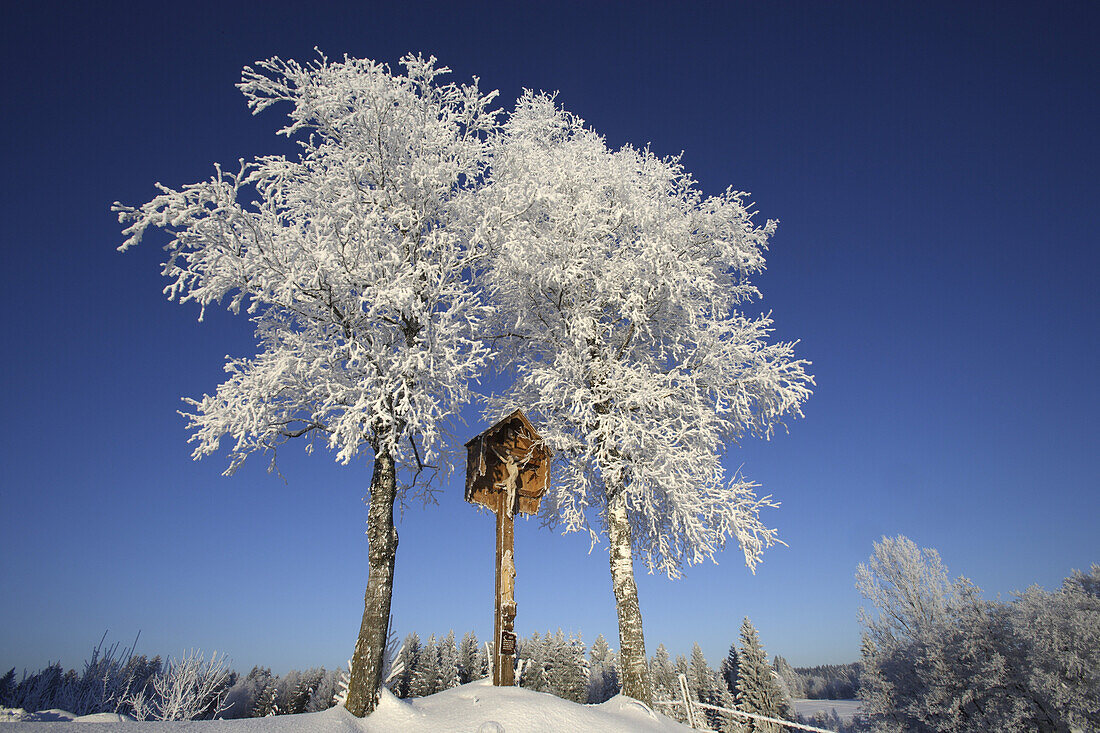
point(846, 709)
point(476, 708)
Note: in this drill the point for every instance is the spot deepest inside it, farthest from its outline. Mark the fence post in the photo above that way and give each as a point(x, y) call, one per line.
point(687, 700)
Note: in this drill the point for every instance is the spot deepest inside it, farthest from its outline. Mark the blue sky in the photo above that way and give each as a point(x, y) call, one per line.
point(933, 167)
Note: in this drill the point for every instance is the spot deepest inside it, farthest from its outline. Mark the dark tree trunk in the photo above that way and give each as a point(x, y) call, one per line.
point(366, 663)
point(632, 659)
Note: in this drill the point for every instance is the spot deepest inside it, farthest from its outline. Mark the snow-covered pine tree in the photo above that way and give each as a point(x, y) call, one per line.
point(625, 287)
point(350, 261)
point(340, 697)
point(410, 660)
point(483, 662)
point(603, 674)
point(267, 701)
point(7, 688)
point(580, 654)
point(729, 723)
point(703, 683)
point(448, 662)
point(791, 679)
point(308, 683)
point(566, 669)
point(287, 691)
point(322, 698)
point(555, 663)
point(468, 667)
point(680, 666)
point(662, 674)
point(242, 697)
point(784, 691)
point(757, 691)
point(534, 654)
point(728, 669)
point(699, 674)
point(425, 679)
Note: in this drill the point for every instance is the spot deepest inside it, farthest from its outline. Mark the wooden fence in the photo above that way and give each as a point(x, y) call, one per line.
point(695, 720)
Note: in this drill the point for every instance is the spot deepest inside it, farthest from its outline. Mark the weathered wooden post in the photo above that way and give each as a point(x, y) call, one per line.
point(507, 470)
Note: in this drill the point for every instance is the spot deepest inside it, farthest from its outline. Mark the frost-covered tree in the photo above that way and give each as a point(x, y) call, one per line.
point(662, 675)
point(910, 595)
point(907, 585)
point(267, 700)
point(791, 679)
point(828, 681)
point(532, 656)
point(603, 672)
point(623, 288)
point(567, 668)
point(286, 688)
point(728, 669)
point(448, 662)
point(469, 668)
point(581, 671)
point(757, 690)
point(425, 678)
point(188, 688)
point(483, 662)
point(323, 696)
point(7, 688)
point(1061, 632)
point(942, 658)
point(298, 688)
point(242, 696)
point(408, 658)
point(110, 677)
point(680, 666)
point(704, 686)
point(349, 261)
point(699, 674)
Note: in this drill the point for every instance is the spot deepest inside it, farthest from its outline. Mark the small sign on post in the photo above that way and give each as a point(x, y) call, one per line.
point(507, 470)
point(508, 643)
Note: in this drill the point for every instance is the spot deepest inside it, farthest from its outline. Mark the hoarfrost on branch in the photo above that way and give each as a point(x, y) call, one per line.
point(345, 258)
point(623, 288)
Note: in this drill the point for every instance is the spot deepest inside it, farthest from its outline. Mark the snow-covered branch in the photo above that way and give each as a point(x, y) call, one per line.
point(637, 360)
point(350, 260)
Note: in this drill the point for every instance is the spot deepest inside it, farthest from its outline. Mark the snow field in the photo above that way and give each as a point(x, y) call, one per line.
point(846, 709)
point(477, 706)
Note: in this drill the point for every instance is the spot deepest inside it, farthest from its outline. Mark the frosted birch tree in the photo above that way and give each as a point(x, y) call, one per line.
point(349, 264)
point(623, 288)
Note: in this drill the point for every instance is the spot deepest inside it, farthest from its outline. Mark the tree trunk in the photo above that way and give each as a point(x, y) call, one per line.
point(632, 659)
point(366, 663)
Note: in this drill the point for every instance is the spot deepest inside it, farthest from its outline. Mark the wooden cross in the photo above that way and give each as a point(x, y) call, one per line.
point(506, 471)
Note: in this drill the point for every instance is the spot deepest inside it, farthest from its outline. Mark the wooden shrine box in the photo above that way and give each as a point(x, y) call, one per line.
point(512, 438)
point(507, 471)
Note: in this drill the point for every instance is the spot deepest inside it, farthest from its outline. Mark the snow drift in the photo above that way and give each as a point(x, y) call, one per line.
point(477, 706)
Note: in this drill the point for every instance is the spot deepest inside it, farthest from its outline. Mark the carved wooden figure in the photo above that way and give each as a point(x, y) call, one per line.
point(507, 470)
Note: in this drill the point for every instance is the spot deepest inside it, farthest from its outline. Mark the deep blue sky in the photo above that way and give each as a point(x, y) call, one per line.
point(933, 166)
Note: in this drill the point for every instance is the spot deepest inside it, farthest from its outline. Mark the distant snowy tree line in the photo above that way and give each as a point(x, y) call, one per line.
point(821, 682)
point(556, 663)
point(190, 688)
